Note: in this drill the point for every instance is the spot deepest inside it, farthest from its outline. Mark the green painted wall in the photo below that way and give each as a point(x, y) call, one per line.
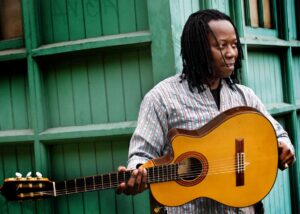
point(70, 90)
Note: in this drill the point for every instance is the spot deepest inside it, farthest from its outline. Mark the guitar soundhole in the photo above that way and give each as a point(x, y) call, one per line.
point(192, 168)
point(189, 169)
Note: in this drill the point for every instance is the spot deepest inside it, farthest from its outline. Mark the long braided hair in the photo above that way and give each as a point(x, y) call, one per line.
point(195, 50)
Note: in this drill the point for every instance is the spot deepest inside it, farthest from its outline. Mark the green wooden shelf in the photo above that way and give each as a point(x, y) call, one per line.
point(13, 54)
point(264, 41)
point(12, 43)
point(260, 31)
point(295, 43)
point(298, 104)
point(88, 131)
point(280, 108)
point(25, 135)
point(135, 38)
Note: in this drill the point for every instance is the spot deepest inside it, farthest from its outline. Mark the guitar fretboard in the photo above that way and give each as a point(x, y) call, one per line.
point(155, 174)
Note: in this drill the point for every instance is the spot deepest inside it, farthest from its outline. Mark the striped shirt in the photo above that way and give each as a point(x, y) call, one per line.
point(170, 104)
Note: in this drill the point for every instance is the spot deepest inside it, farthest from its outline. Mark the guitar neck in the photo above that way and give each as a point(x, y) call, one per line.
point(155, 174)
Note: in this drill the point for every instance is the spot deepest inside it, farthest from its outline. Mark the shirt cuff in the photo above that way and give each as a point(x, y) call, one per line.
point(135, 162)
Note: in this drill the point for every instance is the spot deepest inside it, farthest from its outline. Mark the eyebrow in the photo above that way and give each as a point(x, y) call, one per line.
point(224, 40)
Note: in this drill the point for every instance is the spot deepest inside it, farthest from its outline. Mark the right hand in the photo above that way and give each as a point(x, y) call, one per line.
point(137, 183)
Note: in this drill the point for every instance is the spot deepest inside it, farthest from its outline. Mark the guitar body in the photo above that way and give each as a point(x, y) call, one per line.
point(218, 147)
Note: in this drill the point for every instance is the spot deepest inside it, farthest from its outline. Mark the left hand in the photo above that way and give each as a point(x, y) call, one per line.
point(286, 156)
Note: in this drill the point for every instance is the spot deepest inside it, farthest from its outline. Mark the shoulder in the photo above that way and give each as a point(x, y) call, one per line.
point(246, 90)
point(169, 82)
point(166, 87)
point(252, 99)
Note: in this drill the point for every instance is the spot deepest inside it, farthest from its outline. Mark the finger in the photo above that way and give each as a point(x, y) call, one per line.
point(287, 161)
point(144, 181)
point(122, 169)
point(122, 185)
point(120, 188)
point(138, 184)
point(285, 155)
point(290, 160)
point(129, 189)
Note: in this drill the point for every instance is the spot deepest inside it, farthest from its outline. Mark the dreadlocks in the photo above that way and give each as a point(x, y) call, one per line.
point(195, 50)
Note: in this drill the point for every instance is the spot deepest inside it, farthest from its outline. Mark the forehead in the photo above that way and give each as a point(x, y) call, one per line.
point(222, 29)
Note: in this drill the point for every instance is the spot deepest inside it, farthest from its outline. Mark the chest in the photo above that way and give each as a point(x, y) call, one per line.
point(193, 110)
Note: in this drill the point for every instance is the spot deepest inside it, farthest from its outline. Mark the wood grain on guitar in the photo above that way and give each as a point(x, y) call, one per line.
point(232, 159)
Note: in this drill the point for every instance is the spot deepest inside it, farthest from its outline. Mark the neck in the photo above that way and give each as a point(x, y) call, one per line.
point(214, 83)
point(112, 180)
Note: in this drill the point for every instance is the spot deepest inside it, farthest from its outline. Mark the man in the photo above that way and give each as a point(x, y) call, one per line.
point(211, 53)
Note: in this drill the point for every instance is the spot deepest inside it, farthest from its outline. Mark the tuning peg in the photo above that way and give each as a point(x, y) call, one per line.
point(38, 175)
point(18, 175)
point(28, 175)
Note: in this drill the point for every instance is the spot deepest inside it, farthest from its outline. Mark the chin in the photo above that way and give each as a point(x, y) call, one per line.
point(227, 74)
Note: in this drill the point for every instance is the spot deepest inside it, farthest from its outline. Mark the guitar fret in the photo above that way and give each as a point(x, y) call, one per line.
point(66, 190)
point(54, 189)
point(159, 173)
point(84, 184)
point(117, 181)
point(113, 180)
point(89, 183)
point(175, 175)
point(151, 175)
point(94, 186)
point(98, 182)
point(109, 180)
point(171, 173)
point(167, 172)
point(75, 185)
point(120, 177)
point(105, 181)
point(154, 177)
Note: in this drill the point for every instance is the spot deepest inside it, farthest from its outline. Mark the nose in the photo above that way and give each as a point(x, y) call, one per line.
point(231, 51)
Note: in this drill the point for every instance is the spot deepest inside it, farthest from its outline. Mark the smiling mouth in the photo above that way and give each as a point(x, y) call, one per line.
point(229, 65)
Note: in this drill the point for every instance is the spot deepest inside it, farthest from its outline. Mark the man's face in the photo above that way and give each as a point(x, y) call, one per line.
point(224, 43)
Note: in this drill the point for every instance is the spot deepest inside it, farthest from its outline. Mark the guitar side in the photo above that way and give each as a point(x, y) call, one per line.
point(215, 143)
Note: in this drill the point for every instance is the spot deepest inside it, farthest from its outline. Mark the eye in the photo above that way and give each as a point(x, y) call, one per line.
point(222, 46)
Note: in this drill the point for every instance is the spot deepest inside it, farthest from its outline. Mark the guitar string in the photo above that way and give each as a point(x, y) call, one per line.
point(164, 177)
point(97, 187)
point(104, 186)
point(89, 188)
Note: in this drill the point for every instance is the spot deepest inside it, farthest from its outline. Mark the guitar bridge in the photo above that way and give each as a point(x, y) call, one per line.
point(239, 161)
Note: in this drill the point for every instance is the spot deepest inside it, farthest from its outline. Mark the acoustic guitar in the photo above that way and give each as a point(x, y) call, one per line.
point(232, 159)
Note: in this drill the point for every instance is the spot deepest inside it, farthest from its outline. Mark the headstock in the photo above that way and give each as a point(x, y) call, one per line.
point(23, 188)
